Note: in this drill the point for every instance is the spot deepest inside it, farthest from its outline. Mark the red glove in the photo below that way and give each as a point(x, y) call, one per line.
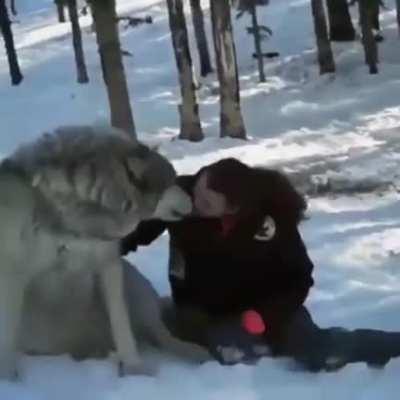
point(253, 323)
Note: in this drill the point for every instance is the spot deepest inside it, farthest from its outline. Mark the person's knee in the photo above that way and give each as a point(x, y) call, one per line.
point(186, 323)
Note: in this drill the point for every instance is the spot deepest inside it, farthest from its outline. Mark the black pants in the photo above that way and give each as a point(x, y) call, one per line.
point(300, 338)
point(332, 348)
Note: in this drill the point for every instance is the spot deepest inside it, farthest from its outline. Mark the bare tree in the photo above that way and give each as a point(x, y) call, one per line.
point(341, 27)
point(367, 12)
point(5, 27)
point(13, 8)
point(231, 120)
point(257, 42)
point(258, 31)
point(201, 37)
point(105, 21)
point(82, 75)
point(375, 7)
point(189, 109)
point(325, 55)
point(60, 10)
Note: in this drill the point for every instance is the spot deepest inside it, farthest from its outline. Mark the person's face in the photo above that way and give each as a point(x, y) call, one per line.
point(207, 202)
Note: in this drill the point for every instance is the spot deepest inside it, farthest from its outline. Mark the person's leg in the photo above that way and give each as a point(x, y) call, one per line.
point(300, 338)
point(186, 323)
point(375, 347)
point(224, 336)
point(332, 348)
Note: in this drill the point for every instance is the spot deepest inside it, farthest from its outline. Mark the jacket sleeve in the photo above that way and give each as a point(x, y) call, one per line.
point(292, 289)
point(145, 233)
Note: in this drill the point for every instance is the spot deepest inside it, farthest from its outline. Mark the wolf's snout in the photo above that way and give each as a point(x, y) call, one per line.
point(173, 205)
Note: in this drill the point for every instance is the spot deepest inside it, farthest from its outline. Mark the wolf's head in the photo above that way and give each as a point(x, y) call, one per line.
point(101, 182)
point(153, 178)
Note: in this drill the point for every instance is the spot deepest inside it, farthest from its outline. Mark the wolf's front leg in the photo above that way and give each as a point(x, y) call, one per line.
point(124, 340)
point(11, 300)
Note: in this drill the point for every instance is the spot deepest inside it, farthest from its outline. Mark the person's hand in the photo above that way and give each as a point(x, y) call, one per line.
point(239, 340)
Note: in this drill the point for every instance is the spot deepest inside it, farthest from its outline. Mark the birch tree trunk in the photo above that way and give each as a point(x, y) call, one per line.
point(341, 27)
point(368, 39)
point(201, 37)
point(325, 55)
point(5, 27)
point(398, 14)
point(105, 20)
point(60, 10)
point(231, 120)
point(82, 76)
point(190, 128)
point(257, 43)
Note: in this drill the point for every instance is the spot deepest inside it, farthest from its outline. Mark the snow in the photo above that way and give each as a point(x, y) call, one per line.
point(332, 132)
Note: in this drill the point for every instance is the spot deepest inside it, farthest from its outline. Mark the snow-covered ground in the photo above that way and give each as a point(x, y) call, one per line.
point(336, 134)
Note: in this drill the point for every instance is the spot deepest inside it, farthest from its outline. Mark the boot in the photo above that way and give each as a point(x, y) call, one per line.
point(373, 347)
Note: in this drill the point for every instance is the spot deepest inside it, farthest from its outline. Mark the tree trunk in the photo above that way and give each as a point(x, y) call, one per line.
point(325, 55)
point(398, 14)
point(13, 8)
point(189, 109)
point(375, 11)
point(368, 39)
point(5, 27)
point(105, 21)
point(201, 37)
point(60, 10)
point(231, 120)
point(257, 43)
point(93, 25)
point(341, 28)
point(77, 42)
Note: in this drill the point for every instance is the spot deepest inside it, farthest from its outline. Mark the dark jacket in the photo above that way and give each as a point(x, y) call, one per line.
point(250, 266)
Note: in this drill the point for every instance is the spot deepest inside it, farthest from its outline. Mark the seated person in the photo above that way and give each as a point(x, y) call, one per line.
point(240, 273)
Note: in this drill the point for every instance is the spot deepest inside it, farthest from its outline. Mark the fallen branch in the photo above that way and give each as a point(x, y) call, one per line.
point(270, 54)
point(126, 53)
point(135, 21)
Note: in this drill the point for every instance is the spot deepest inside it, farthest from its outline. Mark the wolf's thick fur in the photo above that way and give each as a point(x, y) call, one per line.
point(54, 322)
point(65, 201)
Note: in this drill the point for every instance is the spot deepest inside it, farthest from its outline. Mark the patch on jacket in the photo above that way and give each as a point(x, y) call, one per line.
point(267, 230)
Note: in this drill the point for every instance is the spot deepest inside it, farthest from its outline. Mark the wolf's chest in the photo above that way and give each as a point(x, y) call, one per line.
point(67, 252)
